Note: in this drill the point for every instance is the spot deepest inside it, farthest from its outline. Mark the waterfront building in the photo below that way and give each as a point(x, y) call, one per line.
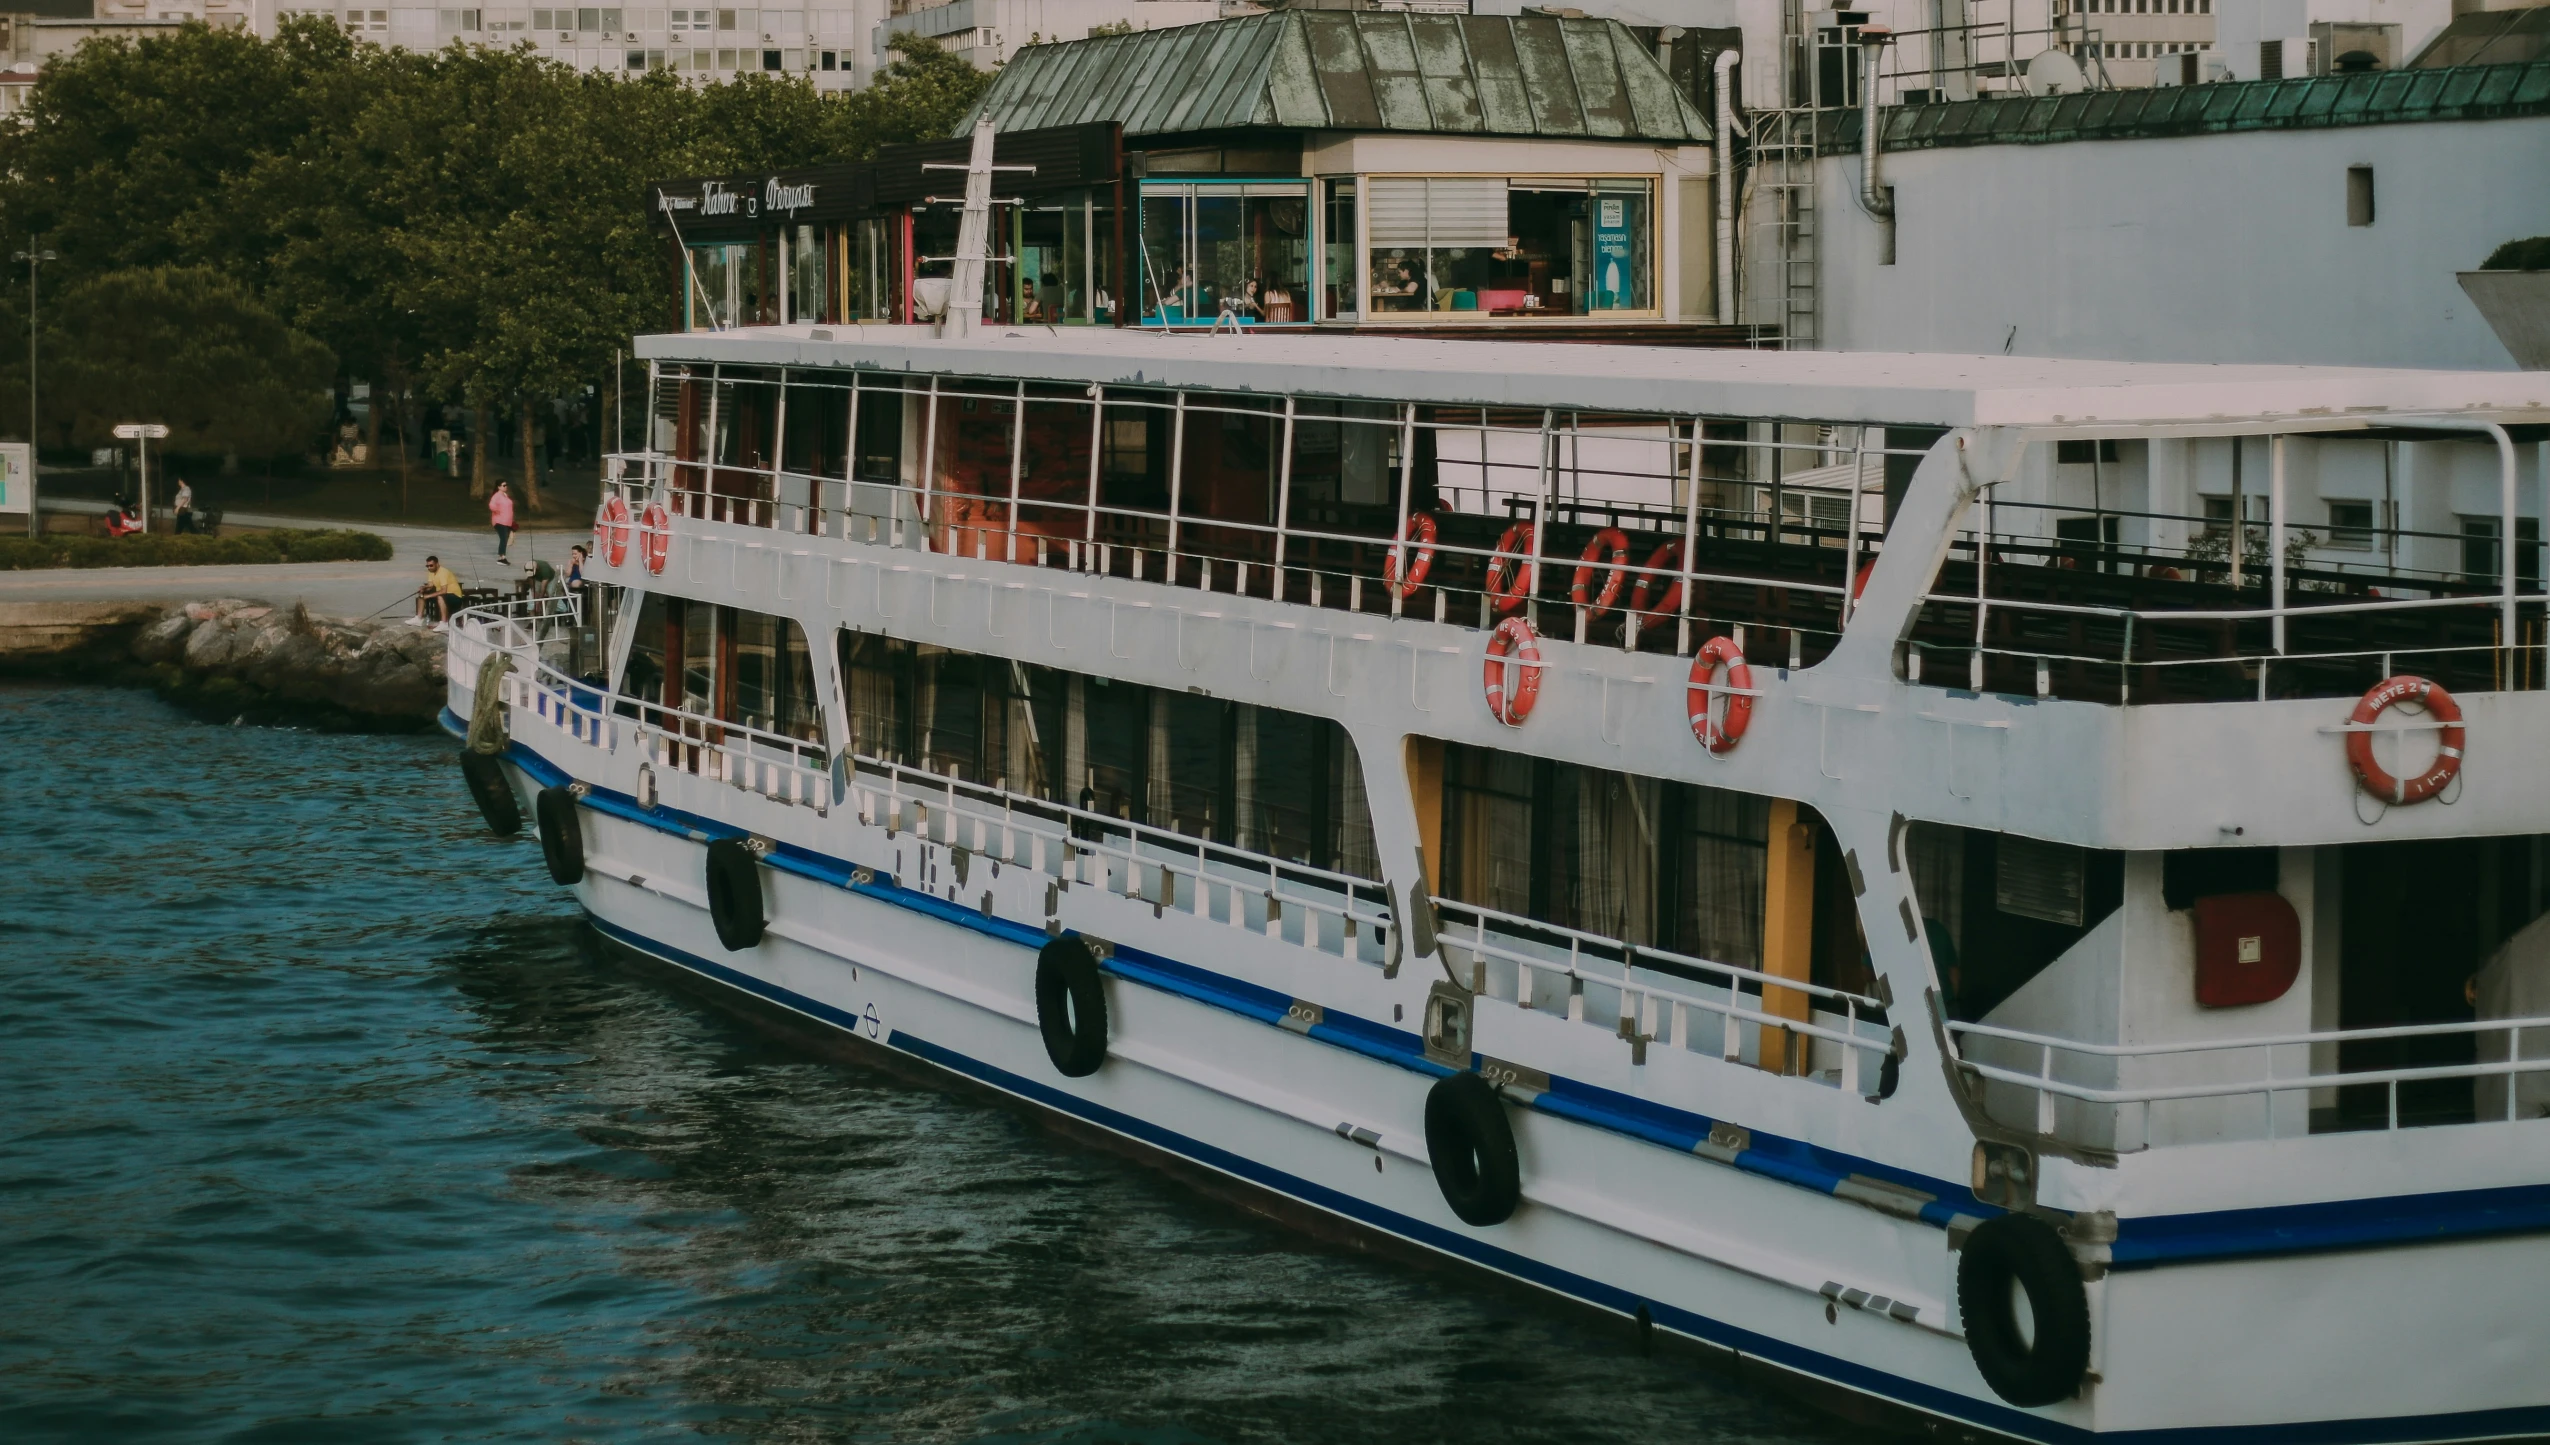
point(1387, 173)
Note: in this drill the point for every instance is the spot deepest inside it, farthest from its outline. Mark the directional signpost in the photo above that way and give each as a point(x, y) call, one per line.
point(144, 432)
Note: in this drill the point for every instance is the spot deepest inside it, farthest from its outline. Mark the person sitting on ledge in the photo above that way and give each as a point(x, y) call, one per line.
point(122, 523)
point(440, 596)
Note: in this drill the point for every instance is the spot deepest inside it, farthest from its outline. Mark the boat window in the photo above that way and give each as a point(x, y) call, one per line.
point(1278, 783)
point(767, 678)
point(818, 430)
point(1999, 907)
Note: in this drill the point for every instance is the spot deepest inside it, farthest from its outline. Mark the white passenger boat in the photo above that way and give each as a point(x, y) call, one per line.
point(2006, 890)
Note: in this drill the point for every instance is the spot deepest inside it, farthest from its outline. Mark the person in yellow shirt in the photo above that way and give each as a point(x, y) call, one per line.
point(439, 598)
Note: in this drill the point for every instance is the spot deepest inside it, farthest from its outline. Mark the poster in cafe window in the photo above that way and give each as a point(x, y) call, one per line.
point(1614, 275)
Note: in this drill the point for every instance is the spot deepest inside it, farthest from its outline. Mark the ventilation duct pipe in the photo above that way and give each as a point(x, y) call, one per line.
point(1874, 198)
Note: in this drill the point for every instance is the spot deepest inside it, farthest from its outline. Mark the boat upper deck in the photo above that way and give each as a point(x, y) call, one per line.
point(1880, 388)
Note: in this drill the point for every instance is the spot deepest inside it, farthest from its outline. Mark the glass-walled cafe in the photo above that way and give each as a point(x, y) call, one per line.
point(1089, 239)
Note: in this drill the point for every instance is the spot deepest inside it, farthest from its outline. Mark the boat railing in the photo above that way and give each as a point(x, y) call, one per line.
point(1656, 996)
point(1317, 908)
point(2133, 1089)
point(1687, 573)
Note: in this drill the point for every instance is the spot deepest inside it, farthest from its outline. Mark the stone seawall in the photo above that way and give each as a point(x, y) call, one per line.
point(238, 660)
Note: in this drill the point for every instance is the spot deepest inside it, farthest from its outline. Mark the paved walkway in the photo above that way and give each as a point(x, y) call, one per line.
point(331, 589)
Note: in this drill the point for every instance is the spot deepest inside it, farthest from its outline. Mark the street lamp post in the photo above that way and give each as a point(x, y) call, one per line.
point(32, 257)
point(145, 433)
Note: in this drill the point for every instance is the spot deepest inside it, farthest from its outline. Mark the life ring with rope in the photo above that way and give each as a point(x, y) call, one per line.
point(1513, 574)
point(1717, 737)
point(1513, 649)
point(655, 536)
point(2392, 692)
point(1609, 542)
point(1420, 529)
point(612, 532)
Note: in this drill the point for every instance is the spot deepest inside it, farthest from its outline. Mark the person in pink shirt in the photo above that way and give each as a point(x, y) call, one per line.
point(500, 511)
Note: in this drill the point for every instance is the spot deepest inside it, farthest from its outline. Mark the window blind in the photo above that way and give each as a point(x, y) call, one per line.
point(1442, 212)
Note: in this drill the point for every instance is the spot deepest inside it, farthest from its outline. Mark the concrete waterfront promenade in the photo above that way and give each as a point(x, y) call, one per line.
point(325, 644)
point(328, 589)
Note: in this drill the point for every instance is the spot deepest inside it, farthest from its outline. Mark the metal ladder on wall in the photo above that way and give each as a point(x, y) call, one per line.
point(1784, 228)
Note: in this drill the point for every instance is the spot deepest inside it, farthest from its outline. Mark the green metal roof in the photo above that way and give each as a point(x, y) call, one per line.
point(1513, 75)
point(2388, 97)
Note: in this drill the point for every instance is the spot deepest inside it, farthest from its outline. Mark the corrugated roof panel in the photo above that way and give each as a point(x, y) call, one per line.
point(1444, 63)
point(1292, 81)
point(1596, 67)
point(1505, 106)
point(1541, 50)
point(1654, 106)
point(1345, 70)
point(1339, 55)
point(1390, 56)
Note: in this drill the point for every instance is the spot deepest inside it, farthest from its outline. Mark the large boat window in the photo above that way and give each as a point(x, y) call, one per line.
point(737, 666)
point(1278, 783)
point(1999, 908)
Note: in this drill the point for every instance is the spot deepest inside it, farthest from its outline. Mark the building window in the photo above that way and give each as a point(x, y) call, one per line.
point(2271, 60)
point(1485, 245)
point(1215, 248)
point(770, 60)
point(2359, 195)
point(2351, 526)
point(825, 62)
point(2480, 549)
point(2083, 451)
point(1339, 294)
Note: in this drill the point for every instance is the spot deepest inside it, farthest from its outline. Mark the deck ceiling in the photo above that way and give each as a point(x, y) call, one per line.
point(1336, 70)
point(1885, 388)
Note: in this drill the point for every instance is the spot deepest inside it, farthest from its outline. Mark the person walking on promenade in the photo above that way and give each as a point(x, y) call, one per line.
point(185, 505)
point(500, 512)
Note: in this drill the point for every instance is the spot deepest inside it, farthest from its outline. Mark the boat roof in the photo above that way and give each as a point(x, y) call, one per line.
point(1886, 388)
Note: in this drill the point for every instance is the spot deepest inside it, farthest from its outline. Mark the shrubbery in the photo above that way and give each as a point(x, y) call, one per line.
point(18, 554)
point(2530, 254)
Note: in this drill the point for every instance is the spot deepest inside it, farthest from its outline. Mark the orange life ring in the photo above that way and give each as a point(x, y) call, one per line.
point(1420, 530)
point(613, 530)
point(1512, 574)
point(2359, 745)
point(655, 536)
point(1612, 541)
point(1512, 649)
point(1715, 652)
point(1666, 557)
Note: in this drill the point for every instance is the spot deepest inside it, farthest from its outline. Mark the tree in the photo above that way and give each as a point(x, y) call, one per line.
point(190, 347)
point(920, 95)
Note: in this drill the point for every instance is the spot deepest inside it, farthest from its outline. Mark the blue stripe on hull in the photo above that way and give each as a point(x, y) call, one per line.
point(1911, 1394)
point(2143, 1242)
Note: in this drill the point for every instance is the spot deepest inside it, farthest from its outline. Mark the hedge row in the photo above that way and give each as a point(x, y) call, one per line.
point(163, 549)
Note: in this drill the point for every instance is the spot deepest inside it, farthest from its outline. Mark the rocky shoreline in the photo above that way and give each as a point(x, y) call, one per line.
point(237, 660)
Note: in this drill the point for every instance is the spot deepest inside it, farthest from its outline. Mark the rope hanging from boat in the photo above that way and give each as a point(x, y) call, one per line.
point(487, 707)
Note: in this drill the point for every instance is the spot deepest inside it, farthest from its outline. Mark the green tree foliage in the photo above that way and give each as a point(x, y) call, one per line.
point(469, 220)
point(187, 346)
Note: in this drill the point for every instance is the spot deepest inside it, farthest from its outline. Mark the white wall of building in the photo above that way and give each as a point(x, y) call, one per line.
point(988, 32)
point(2201, 248)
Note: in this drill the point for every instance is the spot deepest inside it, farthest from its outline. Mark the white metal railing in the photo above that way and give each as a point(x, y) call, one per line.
point(1317, 908)
point(2263, 1082)
point(1652, 1010)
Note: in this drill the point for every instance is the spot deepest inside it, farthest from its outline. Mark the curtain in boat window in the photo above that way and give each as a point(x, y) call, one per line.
point(1603, 847)
point(1725, 845)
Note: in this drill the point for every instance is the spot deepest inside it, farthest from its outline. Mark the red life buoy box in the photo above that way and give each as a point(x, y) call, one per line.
point(2248, 948)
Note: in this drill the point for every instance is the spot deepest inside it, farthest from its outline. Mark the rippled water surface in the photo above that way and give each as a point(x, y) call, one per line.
point(322, 1117)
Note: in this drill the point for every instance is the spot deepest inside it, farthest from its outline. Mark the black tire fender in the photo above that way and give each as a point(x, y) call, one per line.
point(493, 794)
point(2014, 1255)
point(1471, 1144)
point(561, 835)
point(734, 895)
point(1071, 1007)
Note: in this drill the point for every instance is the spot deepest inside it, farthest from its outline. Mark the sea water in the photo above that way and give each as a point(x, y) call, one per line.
point(324, 1117)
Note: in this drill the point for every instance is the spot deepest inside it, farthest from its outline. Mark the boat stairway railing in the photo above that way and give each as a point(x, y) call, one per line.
point(774, 765)
point(1781, 588)
point(2133, 1096)
point(1651, 996)
point(1313, 908)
